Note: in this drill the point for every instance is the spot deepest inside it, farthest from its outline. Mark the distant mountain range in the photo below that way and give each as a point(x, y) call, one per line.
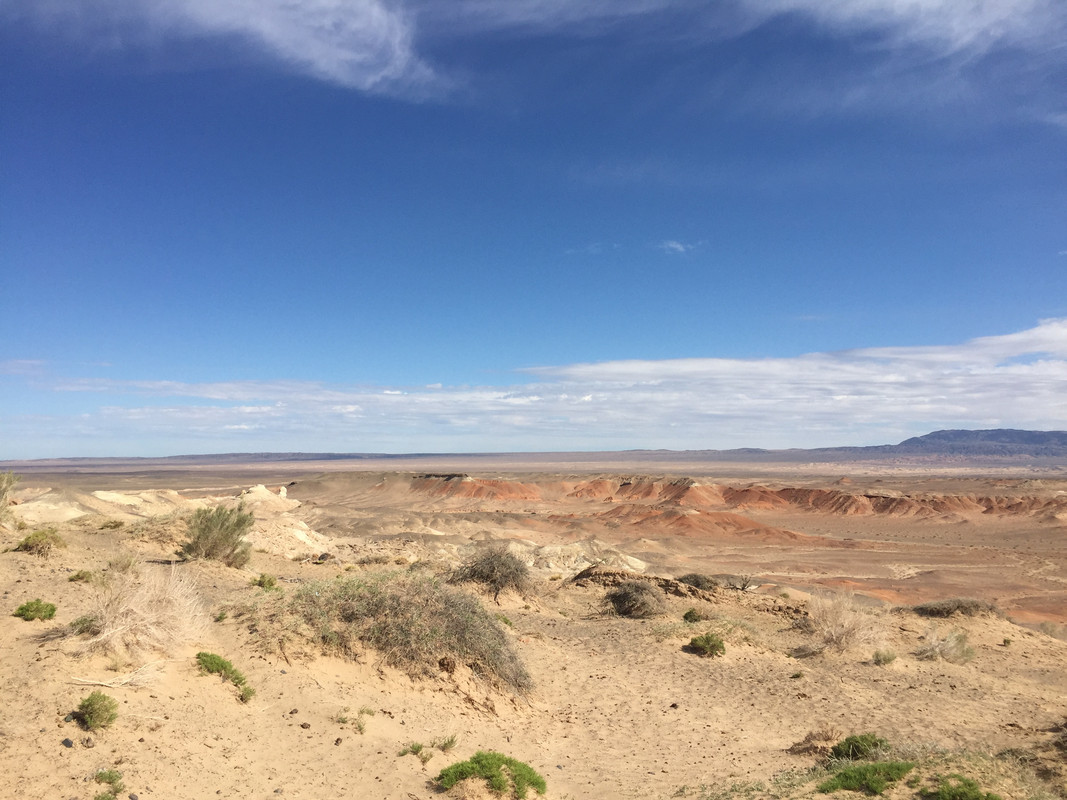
point(989, 446)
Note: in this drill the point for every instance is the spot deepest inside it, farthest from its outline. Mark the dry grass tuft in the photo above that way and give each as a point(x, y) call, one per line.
point(156, 612)
point(951, 647)
point(840, 625)
point(818, 742)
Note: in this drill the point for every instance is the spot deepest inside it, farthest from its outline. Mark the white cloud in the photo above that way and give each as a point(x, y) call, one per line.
point(373, 45)
point(866, 396)
point(674, 246)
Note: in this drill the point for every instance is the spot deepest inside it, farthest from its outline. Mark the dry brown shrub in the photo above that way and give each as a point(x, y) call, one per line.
point(818, 742)
point(154, 612)
point(840, 625)
point(951, 647)
point(636, 599)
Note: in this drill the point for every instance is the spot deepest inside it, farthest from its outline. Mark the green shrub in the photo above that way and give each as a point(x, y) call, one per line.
point(496, 569)
point(218, 534)
point(707, 645)
point(957, 787)
point(491, 766)
point(113, 778)
point(693, 616)
point(416, 622)
point(965, 606)
point(80, 575)
point(217, 665)
point(41, 543)
point(637, 599)
point(698, 581)
point(858, 746)
point(98, 710)
point(883, 657)
point(35, 609)
point(265, 581)
point(872, 778)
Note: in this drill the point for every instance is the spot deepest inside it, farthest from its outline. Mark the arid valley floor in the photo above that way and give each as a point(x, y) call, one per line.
point(619, 707)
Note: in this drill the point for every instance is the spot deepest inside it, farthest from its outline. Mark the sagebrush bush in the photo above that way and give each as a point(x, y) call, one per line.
point(840, 625)
point(35, 609)
point(637, 599)
point(858, 746)
point(265, 581)
point(416, 622)
point(496, 569)
point(707, 645)
point(157, 611)
point(503, 774)
point(965, 606)
point(41, 543)
point(218, 534)
point(699, 581)
point(883, 657)
point(113, 778)
point(98, 710)
point(951, 647)
point(693, 616)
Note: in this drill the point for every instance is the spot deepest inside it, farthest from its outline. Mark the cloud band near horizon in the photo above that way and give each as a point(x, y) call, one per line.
point(853, 397)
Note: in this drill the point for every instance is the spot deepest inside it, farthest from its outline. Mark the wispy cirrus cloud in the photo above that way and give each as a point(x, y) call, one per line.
point(379, 45)
point(865, 396)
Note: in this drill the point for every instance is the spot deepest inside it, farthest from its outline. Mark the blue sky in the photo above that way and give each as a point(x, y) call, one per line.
point(413, 226)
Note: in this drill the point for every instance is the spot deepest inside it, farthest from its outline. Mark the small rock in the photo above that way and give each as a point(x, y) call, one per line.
point(305, 725)
point(68, 743)
point(88, 742)
point(295, 711)
point(69, 718)
point(284, 672)
point(132, 796)
point(337, 741)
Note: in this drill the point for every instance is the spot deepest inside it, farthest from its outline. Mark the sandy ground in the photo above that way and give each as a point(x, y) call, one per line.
point(618, 708)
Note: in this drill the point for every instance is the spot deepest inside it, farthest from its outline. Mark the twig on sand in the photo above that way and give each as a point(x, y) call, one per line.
point(126, 680)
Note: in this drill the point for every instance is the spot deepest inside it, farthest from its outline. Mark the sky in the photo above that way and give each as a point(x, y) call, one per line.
point(399, 226)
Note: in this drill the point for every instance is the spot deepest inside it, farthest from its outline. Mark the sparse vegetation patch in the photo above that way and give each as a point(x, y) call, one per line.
point(113, 778)
point(858, 746)
point(699, 581)
point(871, 778)
point(957, 787)
point(839, 624)
point(964, 606)
point(707, 645)
point(35, 609)
point(217, 665)
point(951, 647)
point(502, 773)
point(416, 622)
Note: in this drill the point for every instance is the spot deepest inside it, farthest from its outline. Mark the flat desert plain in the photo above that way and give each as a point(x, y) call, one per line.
point(814, 573)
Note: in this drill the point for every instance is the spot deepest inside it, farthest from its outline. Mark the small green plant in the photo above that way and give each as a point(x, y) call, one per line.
point(707, 645)
point(883, 657)
point(491, 766)
point(419, 750)
point(80, 575)
point(217, 665)
point(636, 599)
point(86, 625)
point(265, 581)
point(35, 609)
point(222, 615)
point(41, 542)
point(871, 778)
point(857, 746)
point(112, 525)
point(218, 534)
point(97, 711)
point(113, 778)
point(497, 569)
point(444, 744)
point(1006, 642)
point(693, 616)
point(796, 675)
point(957, 787)
point(503, 618)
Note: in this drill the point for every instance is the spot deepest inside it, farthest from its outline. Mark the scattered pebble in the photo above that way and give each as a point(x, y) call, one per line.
point(305, 725)
point(68, 743)
point(88, 742)
point(295, 711)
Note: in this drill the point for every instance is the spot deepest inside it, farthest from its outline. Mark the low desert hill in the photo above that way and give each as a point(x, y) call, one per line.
point(837, 600)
